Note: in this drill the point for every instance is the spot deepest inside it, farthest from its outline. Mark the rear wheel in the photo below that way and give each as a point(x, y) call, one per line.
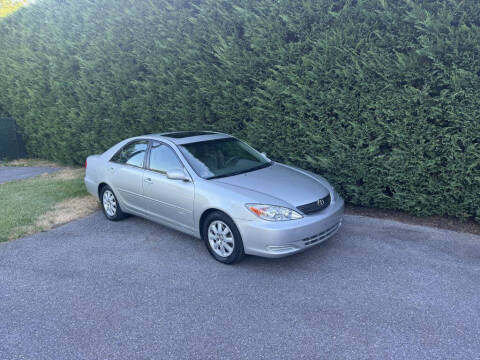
point(222, 238)
point(111, 207)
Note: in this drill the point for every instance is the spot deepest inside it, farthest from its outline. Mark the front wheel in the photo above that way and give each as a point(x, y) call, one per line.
point(222, 238)
point(111, 207)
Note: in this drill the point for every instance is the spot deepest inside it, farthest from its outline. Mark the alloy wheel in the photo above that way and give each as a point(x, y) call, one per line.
point(221, 238)
point(109, 203)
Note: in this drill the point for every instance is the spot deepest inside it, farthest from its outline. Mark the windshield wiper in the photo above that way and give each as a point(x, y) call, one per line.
point(241, 171)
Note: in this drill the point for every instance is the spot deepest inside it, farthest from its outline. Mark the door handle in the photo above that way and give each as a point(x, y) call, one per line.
point(148, 180)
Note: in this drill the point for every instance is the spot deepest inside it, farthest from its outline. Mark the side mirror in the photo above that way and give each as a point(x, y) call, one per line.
point(177, 174)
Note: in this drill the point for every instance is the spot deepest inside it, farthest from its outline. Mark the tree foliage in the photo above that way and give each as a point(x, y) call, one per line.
point(8, 7)
point(380, 96)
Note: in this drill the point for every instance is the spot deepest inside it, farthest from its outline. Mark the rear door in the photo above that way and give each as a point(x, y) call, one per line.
point(169, 201)
point(125, 175)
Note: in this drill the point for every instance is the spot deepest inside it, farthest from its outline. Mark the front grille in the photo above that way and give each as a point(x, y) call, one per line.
point(315, 239)
point(315, 206)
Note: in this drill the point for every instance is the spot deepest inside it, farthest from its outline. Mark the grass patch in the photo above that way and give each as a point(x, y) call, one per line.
point(37, 204)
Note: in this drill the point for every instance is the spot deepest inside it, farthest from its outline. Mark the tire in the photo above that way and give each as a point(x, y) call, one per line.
point(222, 238)
point(110, 205)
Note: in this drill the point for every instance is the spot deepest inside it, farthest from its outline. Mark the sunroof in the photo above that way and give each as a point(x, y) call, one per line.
point(184, 134)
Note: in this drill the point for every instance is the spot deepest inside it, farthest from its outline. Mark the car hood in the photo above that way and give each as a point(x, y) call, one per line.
point(281, 182)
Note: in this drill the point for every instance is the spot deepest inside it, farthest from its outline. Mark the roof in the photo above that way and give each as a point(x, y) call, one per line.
point(186, 137)
point(184, 134)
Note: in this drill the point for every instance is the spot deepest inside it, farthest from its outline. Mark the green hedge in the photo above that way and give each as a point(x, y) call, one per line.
point(380, 96)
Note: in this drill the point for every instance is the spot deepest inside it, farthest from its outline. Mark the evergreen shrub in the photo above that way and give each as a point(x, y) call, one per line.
point(382, 97)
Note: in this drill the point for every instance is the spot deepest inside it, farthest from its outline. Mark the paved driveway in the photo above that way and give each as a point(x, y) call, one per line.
point(94, 289)
point(11, 173)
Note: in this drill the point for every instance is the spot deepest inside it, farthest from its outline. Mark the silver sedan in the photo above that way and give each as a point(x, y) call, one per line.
point(219, 189)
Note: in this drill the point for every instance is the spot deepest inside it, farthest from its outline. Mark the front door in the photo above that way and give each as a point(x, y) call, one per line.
point(125, 175)
point(169, 201)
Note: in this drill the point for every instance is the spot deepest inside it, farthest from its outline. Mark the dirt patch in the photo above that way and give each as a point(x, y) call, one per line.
point(66, 211)
point(62, 213)
point(442, 222)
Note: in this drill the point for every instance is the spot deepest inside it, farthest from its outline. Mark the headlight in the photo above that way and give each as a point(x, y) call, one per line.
point(273, 213)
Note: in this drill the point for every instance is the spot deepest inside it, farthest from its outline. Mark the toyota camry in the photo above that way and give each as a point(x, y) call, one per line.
point(219, 189)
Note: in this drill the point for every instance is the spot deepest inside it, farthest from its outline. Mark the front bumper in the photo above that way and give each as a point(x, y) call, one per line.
point(283, 238)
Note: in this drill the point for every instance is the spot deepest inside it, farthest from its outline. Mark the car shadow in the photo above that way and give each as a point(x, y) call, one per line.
point(161, 236)
point(315, 254)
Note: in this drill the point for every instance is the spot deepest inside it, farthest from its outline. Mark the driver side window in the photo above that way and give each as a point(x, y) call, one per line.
point(132, 154)
point(163, 159)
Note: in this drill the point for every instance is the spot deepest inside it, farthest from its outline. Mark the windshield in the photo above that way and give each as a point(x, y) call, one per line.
point(223, 157)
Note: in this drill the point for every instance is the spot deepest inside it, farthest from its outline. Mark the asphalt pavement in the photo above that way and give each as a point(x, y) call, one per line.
point(11, 173)
point(95, 289)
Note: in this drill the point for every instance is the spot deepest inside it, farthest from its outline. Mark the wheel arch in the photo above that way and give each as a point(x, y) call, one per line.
point(204, 216)
point(100, 188)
